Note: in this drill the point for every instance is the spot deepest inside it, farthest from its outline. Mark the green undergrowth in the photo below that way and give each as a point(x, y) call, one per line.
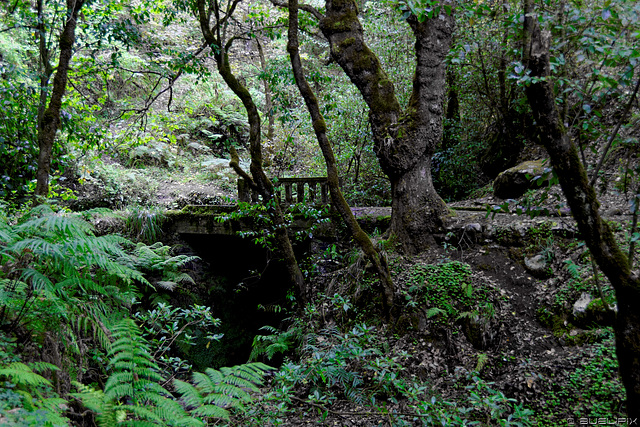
point(354, 363)
point(446, 291)
point(593, 390)
point(64, 287)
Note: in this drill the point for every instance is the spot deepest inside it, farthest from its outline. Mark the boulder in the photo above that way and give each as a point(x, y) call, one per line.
point(196, 148)
point(588, 311)
point(514, 182)
point(580, 306)
point(538, 266)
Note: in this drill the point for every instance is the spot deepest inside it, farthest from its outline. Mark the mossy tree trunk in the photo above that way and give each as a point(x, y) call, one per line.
point(49, 119)
point(584, 207)
point(320, 129)
point(404, 139)
point(214, 19)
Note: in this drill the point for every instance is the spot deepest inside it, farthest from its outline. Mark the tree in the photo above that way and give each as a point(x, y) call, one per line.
point(320, 128)
point(214, 18)
point(49, 121)
point(404, 138)
point(584, 205)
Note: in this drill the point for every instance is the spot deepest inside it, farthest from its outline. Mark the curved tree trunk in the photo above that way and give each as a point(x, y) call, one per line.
point(584, 208)
point(404, 141)
point(259, 179)
point(320, 128)
point(49, 123)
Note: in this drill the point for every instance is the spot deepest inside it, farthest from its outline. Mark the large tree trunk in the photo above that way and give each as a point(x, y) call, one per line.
point(320, 128)
point(49, 122)
point(258, 178)
point(584, 206)
point(404, 141)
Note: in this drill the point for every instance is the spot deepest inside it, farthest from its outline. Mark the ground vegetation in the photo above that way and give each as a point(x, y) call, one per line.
point(480, 311)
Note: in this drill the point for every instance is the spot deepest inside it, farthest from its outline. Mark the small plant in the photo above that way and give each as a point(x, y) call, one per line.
point(166, 327)
point(447, 289)
point(216, 393)
point(145, 223)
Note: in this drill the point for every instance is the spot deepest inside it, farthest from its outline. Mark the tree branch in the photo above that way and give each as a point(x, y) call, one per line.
point(307, 8)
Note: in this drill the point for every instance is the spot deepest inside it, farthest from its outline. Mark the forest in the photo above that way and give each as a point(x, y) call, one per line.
point(339, 212)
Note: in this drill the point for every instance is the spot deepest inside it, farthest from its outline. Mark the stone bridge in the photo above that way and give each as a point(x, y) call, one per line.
point(313, 191)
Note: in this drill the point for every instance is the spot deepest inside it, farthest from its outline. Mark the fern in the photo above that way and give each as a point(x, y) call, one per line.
point(33, 389)
point(21, 374)
point(134, 387)
point(134, 394)
point(483, 359)
point(274, 343)
point(106, 412)
point(216, 392)
point(573, 268)
point(435, 311)
point(157, 258)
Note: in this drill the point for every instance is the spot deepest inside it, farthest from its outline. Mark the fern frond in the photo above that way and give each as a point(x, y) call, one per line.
point(189, 393)
point(119, 385)
point(38, 246)
point(43, 366)
point(483, 359)
point(435, 311)
point(213, 412)
point(19, 373)
point(55, 223)
point(222, 392)
point(38, 280)
point(204, 382)
point(145, 413)
point(97, 402)
point(166, 284)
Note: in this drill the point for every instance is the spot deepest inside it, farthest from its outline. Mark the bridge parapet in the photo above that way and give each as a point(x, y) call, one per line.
point(296, 190)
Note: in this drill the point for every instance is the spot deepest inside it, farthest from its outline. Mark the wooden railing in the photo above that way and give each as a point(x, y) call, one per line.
point(296, 190)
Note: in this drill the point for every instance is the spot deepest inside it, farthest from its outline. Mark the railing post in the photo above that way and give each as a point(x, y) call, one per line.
point(312, 191)
point(287, 193)
point(300, 191)
point(324, 189)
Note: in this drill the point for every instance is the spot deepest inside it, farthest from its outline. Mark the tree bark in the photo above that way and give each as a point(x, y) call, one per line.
point(584, 206)
point(259, 180)
point(404, 140)
point(49, 122)
point(320, 129)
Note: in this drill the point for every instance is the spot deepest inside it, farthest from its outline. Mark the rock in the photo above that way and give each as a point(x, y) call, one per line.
point(514, 182)
point(580, 306)
point(613, 212)
point(473, 227)
point(182, 139)
point(587, 311)
point(538, 266)
point(196, 148)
